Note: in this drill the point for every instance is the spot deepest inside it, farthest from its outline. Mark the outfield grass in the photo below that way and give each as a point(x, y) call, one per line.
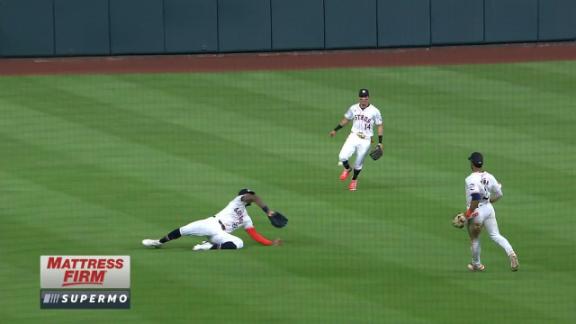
point(91, 165)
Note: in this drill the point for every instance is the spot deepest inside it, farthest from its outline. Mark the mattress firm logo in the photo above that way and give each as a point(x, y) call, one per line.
point(84, 281)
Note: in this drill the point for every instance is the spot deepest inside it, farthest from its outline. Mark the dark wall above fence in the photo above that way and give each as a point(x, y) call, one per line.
point(191, 26)
point(457, 21)
point(297, 24)
point(81, 27)
point(137, 26)
point(117, 27)
point(26, 28)
point(511, 20)
point(244, 25)
point(403, 23)
point(350, 23)
point(556, 20)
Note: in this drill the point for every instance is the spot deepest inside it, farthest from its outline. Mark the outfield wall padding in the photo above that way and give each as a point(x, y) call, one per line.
point(26, 28)
point(457, 22)
point(81, 27)
point(191, 26)
point(350, 23)
point(556, 20)
point(511, 20)
point(32, 28)
point(403, 23)
point(244, 25)
point(307, 33)
point(137, 27)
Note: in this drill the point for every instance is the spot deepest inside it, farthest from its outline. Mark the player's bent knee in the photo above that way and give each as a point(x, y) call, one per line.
point(239, 243)
point(228, 246)
point(232, 245)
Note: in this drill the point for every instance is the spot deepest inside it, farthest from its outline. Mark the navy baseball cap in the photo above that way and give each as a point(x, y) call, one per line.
point(476, 158)
point(244, 191)
point(363, 93)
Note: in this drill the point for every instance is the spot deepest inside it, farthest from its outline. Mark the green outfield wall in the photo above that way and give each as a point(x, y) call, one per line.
point(31, 28)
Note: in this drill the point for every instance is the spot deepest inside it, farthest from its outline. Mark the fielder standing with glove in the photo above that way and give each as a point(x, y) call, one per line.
point(217, 228)
point(482, 190)
point(363, 116)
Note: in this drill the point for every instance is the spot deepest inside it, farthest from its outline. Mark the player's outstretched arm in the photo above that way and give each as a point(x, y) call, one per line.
point(341, 124)
point(251, 198)
point(276, 218)
point(261, 239)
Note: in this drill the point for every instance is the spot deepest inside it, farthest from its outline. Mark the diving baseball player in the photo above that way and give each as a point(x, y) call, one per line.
point(363, 116)
point(217, 228)
point(482, 190)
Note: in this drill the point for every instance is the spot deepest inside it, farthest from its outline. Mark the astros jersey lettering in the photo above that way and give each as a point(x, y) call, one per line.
point(234, 215)
point(363, 120)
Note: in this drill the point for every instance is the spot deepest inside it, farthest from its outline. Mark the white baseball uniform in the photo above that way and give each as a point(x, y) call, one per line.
point(486, 185)
point(363, 121)
point(218, 227)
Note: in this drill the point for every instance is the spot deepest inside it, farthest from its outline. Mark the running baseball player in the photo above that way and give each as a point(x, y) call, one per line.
point(363, 116)
point(482, 190)
point(217, 228)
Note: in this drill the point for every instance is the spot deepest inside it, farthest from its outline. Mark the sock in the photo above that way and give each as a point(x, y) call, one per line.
point(171, 236)
point(356, 173)
point(346, 165)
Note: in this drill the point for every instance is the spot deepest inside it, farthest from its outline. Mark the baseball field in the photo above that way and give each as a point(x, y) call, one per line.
point(92, 164)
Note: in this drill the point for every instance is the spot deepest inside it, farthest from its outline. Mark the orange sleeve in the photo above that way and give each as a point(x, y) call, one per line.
point(257, 236)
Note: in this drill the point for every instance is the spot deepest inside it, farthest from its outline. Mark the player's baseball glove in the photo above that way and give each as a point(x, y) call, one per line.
point(459, 220)
point(377, 153)
point(278, 220)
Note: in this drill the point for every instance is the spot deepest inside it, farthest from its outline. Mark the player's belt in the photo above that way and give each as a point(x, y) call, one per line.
point(221, 224)
point(361, 135)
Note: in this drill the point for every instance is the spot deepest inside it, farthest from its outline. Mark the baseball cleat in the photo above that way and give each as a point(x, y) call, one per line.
point(514, 262)
point(353, 185)
point(151, 243)
point(476, 267)
point(344, 174)
point(204, 246)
